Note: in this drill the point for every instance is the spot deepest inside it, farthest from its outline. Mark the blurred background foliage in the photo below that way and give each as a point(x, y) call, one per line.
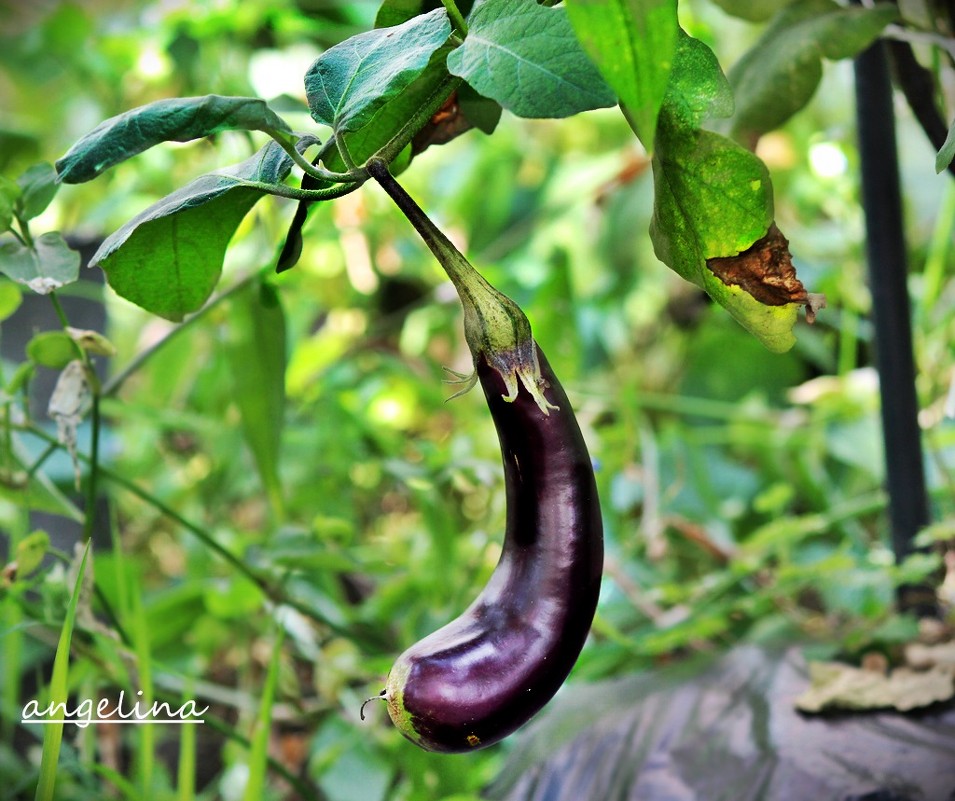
point(741, 490)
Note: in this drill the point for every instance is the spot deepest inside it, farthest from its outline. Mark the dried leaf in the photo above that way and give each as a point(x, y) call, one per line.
point(68, 404)
point(839, 686)
point(91, 341)
point(765, 270)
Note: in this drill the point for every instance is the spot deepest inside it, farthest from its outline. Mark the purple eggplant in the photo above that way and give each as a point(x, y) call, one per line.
point(486, 673)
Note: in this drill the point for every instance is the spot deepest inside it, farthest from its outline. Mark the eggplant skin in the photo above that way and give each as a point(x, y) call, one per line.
point(483, 675)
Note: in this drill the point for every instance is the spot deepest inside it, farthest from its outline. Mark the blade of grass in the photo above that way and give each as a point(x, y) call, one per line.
point(258, 755)
point(146, 746)
point(53, 732)
point(186, 770)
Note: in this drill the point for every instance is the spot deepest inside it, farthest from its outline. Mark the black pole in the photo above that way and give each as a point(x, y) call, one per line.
point(886, 255)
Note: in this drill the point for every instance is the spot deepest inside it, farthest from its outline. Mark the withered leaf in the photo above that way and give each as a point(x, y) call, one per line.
point(447, 123)
point(764, 270)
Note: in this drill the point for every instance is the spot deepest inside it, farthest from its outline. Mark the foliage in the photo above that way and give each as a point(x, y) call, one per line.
point(290, 501)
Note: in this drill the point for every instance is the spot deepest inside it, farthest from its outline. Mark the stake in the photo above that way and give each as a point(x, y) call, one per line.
point(886, 255)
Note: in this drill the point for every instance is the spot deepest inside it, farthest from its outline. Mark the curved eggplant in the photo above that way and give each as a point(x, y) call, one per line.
point(486, 673)
point(477, 679)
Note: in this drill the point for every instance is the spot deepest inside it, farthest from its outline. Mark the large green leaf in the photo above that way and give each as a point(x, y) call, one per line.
point(779, 74)
point(713, 206)
point(349, 84)
point(527, 58)
point(47, 265)
point(632, 42)
point(178, 119)
point(168, 258)
point(256, 350)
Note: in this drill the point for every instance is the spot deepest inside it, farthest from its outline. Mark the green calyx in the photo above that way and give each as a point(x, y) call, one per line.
point(495, 327)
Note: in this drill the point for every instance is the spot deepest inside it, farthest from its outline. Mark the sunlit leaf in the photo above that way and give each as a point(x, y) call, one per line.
point(52, 349)
point(178, 119)
point(527, 58)
point(632, 42)
point(10, 299)
point(30, 552)
point(168, 258)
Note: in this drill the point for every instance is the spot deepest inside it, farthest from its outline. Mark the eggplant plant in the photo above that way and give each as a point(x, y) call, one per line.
point(425, 74)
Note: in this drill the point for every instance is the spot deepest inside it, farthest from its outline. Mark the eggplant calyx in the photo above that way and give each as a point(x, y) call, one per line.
point(495, 328)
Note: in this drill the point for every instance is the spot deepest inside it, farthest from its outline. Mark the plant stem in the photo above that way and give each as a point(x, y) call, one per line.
point(281, 190)
point(457, 18)
point(289, 146)
point(495, 327)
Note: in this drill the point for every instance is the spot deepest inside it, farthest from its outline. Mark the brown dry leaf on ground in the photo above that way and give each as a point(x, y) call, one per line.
point(838, 686)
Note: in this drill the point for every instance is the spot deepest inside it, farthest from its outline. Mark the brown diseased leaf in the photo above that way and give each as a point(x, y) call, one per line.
point(447, 123)
point(764, 270)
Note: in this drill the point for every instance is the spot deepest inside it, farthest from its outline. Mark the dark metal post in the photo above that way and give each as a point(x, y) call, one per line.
point(886, 254)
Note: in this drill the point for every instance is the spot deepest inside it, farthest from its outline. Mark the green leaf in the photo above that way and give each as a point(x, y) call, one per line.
point(48, 265)
point(348, 84)
point(30, 552)
point(53, 349)
point(256, 350)
point(37, 189)
point(697, 89)
point(713, 207)
point(482, 112)
point(9, 192)
point(527, 58)
point(947, 151)
point(633, 43)
point(780, 73)
point(59, 691)
point(168, 258)
point(259, 750)
point(178, 119)
point(10, 299)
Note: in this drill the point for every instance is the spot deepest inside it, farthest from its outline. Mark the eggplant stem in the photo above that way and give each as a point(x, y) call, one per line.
point(379, 697)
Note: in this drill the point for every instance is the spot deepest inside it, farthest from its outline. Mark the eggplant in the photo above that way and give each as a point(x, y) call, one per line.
point(483, 675)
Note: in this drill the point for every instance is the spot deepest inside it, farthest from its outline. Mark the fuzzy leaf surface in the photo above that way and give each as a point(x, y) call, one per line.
point(178, 119)
point(527, 58)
